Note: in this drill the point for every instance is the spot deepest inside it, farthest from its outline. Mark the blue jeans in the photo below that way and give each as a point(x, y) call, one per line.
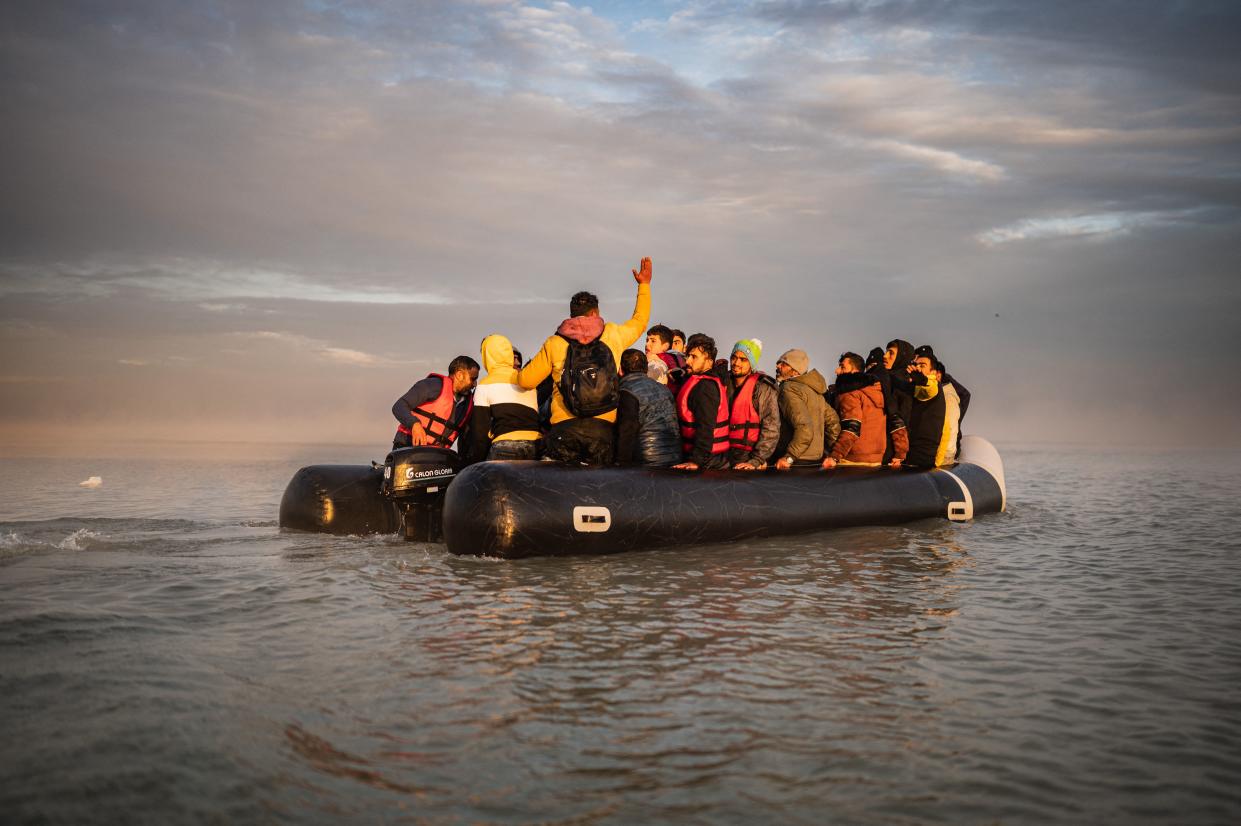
point(515, 449)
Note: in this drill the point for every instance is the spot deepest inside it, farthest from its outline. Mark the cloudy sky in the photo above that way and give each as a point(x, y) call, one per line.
point(257, 221)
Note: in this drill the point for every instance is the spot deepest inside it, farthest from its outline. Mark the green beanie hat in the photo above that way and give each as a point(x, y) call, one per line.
point(752, 348)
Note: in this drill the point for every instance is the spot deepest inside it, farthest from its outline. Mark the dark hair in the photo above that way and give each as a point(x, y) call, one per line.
point(662, 333)
point(462, 363)
point(678, 334)
point(633, 361)
point(516, 356)
point(938, 365)
point(700, 341)
point(896, 342)
point(854, 359)
point(582, 303)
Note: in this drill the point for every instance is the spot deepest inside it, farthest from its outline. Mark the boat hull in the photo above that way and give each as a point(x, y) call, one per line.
point(520, 509)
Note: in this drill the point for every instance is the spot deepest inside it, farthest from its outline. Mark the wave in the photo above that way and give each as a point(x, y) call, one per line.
point(124, 534)
point(16, 543)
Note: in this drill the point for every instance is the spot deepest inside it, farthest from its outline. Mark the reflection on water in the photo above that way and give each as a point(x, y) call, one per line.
point(663, 673)
point(1073, 660)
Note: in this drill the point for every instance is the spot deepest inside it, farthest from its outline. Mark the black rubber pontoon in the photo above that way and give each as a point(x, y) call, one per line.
point(339, 499)
point(520, 509)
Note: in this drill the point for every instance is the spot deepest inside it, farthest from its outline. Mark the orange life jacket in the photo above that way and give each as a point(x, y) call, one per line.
point(689, 428)
point(436, 416)
point(743, 421)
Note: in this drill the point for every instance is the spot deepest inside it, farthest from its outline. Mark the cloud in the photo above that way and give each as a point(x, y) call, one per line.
point(1092, 226)
point(321, 349)
point(347, 185)
point(31, 379)
point(341, 355)
point(943, 160)
point(207, 283)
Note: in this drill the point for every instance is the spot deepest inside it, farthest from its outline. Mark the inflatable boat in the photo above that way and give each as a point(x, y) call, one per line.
point(521, 508)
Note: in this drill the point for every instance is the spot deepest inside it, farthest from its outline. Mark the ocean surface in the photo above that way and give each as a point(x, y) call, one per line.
point(167, 654)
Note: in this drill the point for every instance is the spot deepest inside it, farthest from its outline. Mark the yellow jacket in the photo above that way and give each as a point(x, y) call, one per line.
point(550, 358)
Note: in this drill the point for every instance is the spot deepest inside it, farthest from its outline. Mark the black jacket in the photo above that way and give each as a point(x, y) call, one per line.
point(926, 424)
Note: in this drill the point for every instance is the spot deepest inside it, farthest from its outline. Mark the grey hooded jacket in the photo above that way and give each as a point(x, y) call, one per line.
point(803, 408)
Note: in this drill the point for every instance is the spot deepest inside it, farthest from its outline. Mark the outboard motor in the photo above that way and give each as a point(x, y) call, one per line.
point(415, 479)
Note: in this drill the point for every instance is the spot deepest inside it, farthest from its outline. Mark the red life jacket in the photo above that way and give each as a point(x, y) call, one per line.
point(743, 421)
point(689, 428)
point(436, 416)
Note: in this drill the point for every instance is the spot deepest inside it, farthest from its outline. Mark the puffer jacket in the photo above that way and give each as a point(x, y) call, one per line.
point(803, 409)
point(647, 428)
point(859, 402)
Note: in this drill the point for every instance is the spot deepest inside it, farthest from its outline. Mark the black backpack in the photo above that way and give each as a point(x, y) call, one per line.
point(589, 383)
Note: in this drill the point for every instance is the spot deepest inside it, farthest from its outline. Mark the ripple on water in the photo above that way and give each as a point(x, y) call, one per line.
point(1073, 660)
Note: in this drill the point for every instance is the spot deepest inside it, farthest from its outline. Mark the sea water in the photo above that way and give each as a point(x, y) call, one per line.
point(167, 654)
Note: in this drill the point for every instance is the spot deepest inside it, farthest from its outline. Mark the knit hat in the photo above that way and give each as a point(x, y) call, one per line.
point(924, 351)
point(797, 359)
point(752, 348)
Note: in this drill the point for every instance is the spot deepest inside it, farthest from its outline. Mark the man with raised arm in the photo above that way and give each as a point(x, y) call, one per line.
point(582, 358)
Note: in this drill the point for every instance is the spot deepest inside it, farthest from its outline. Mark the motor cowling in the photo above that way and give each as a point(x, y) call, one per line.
point(416, 478)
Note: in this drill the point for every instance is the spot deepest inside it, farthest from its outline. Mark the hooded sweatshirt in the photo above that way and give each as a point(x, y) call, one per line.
point(898, 400)
point(549, 361)
point(803, 409)
point(502, 409)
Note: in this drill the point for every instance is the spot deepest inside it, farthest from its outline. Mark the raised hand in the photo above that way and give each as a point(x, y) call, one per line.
point(643, 274)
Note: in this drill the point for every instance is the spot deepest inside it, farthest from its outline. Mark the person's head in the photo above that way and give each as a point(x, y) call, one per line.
point(463, 371)
point(874, 358)
point(678, 341)
point(924, 365)
point(792, 363)
point(633, 361)
point(938, 370)
point(583, 303)
point(700, 353)
point(658, 340)
point(925, 350)
point(745, 355)
point(516, 359)
point(897, 355)
point(850, 363)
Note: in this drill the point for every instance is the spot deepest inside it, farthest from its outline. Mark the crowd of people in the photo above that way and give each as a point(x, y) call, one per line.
point(587, 397)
